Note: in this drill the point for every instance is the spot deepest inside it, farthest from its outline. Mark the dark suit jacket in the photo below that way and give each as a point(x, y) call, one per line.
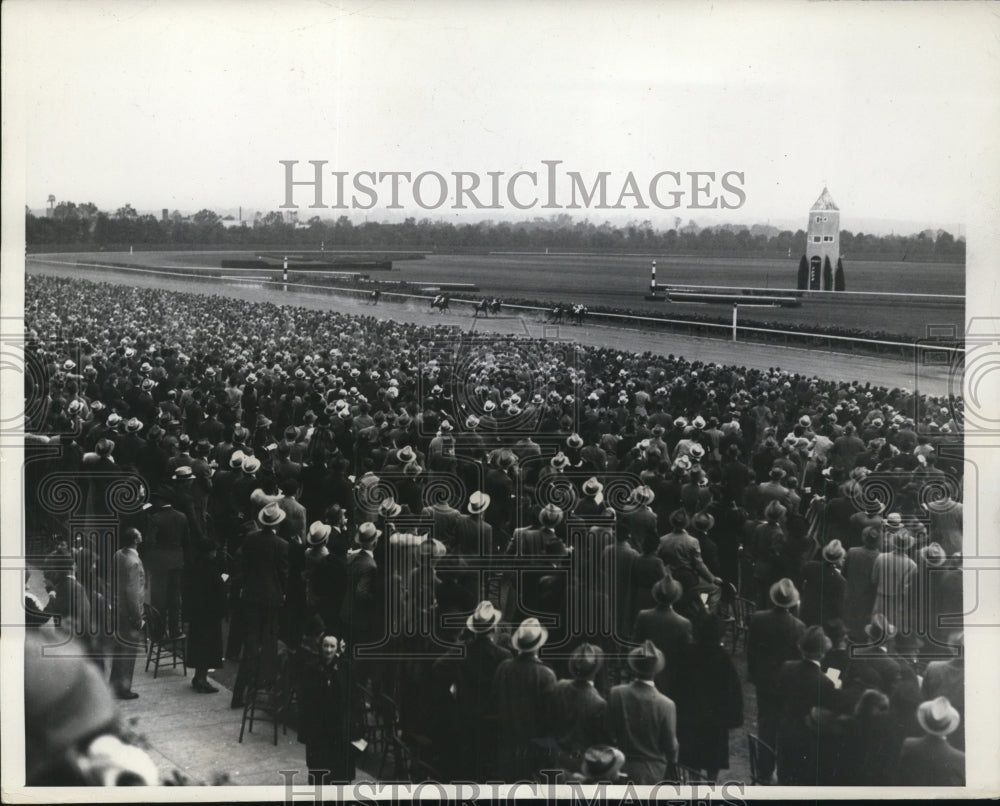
point(772, 641)
point(801, 687)
point(265, 568)
point(472, 677)
point(166, 540)
point(579, 715)
point(823, 589)
point(670, 632)
point(641, 526)
point(617, 562)
point(930, 761)
point(522, 690)
point(359, 612)
point(473, 536)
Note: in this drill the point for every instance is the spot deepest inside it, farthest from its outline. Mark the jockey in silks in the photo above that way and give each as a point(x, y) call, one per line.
point(374, 297)
point(482, 308)
point(556, 314)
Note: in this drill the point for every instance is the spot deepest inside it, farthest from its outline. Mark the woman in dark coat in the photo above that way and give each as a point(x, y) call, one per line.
point(709, 698)
point(205, 607)
point(331, 715)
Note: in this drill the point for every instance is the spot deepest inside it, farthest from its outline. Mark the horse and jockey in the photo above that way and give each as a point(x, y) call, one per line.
point(488, 306)
point(576, 313)
point(441, 302)
point(374, 297)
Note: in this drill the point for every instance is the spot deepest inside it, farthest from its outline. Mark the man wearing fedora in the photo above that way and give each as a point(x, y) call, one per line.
point(618, 563)
point(802, 686)
point(470, 681)
point(669, 631)
point(499, 486)
point(772, 640)
point(539, 542)
point(930, 760)
point(264, 567)
point(360, 613)
point(823, 586)
point(640, 522)
point(643, 721)
point(522, 691)
point(893, 573)
point(579, 712)
point(166, 540)
point(859, 590)
point(602, 764)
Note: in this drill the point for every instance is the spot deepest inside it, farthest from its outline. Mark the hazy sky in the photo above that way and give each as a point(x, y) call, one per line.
point(191, 104)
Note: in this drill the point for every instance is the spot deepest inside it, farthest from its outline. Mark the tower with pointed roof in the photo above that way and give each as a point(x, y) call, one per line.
point(822, 238)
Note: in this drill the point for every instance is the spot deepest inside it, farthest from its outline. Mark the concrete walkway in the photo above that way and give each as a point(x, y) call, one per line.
point(197, 734)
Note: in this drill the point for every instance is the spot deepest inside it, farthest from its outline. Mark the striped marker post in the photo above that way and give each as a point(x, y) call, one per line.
point(652, 281)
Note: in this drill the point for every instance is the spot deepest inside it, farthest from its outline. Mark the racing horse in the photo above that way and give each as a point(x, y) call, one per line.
point(441, 302)
point(578, 313)
point(483, 307)
point(495, 305)
point(374, 297)
point(556, 314)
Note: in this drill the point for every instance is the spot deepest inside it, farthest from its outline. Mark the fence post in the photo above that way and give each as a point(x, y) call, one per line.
point(736, 307)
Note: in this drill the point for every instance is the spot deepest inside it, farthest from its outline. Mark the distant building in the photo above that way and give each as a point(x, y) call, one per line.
point(822, 238)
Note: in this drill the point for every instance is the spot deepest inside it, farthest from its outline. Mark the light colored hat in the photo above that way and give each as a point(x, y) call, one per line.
point(591, 487)
point(893, 521)
point(643, 495)
point(879, 628)
point(933, 555)
point(938, 717)
point(271, 515)
point(698, 422)
point(489, 405)
point(183, 472)
point(406, 454)
point(574, 441)
point(550, 516)
point(529, 635)
point(646, 660)
point(834, 551)
point(472, 421)
point(251, 464)
point(133, 425)
point(602, 763)
point(805, 421)
point(388, 508)
point(585, 660)
point(484, 618)
point(319, 533)
point(368, 534)
point(478, 502)
point(559, 461)
point(902, 540)
point(236, 460)
point(783, 593)
point(446, 427)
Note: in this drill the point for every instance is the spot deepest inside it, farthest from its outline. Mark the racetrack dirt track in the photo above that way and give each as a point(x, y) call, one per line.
point(622, 281)
point(936, 380)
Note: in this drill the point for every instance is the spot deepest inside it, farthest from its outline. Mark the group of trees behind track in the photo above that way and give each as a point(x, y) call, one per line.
point(72, 226)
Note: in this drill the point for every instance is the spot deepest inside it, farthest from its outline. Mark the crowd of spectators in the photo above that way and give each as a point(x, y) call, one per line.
point(531, 550)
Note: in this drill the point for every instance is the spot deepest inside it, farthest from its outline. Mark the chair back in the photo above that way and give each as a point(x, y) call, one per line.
point(759, 750)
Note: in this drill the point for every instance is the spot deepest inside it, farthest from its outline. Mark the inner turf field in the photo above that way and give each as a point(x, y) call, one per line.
point(622, 281)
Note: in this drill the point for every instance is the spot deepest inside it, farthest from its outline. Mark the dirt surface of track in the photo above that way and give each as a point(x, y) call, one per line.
point(930, 380)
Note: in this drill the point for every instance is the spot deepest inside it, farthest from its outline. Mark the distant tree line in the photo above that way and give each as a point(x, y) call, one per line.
point(83, 226)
